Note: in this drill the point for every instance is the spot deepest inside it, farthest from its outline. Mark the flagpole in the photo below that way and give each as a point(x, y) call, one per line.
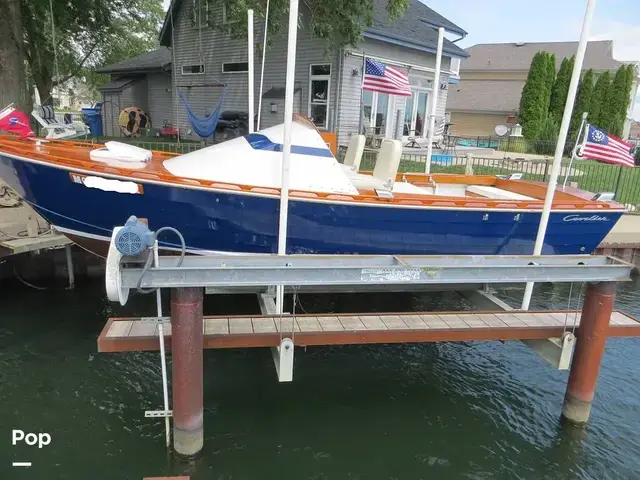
point(364, 69)
point(286, 144)
point(575, 148)
point(434, 102)
point(562, 139)
point(250, 48)
point(264, 54)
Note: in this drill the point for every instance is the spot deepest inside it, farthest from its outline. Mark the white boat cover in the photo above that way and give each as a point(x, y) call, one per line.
point(120, 154)
point(256, 160)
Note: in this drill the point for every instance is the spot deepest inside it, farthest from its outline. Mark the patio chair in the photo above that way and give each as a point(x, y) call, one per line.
point(46, 117)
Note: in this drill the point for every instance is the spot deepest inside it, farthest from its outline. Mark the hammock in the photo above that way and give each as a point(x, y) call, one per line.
point(204, 126)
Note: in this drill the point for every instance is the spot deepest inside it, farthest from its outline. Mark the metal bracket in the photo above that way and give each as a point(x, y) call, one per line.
point(556, 351)
point(283, 360)
point(282, 355)
point(158, 413)
point(163, 320)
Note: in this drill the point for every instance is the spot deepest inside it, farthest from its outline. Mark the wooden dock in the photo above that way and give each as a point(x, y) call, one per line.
point(136, 334)
point(21, 231)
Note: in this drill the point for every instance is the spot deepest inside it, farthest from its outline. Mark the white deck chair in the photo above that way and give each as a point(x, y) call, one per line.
point(46, 117)
point(385, 171)
point(355, 149)
point(438, 132)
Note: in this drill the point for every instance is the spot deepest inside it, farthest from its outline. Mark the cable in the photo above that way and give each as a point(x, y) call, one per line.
point(149, 261)
point(24, 233)
point(23, 281)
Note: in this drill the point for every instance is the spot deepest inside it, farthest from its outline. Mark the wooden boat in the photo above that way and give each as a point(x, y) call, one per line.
point(225, 198)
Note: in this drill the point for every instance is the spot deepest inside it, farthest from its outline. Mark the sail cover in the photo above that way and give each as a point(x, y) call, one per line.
point(256, 160)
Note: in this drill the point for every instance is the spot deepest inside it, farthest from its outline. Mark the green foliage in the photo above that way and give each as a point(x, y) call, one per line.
point(87, 34)
point(600, 108)
point(561, 89)
point(338, 22)
point(619, 98)
point(535, 95)
point(545, 142)
point(550, 80)
point(583, 102)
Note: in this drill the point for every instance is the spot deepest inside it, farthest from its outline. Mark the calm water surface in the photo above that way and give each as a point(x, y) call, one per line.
point(438, 411)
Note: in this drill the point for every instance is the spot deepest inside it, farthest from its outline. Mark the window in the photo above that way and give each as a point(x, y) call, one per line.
point(201, 14)
point(235, 67)
point(455, 67)
point(193, 69)
point(319, 94)
point(226, 14)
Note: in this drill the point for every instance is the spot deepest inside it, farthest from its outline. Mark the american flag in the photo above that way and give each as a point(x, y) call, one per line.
point(599, 145)
point(378, 77)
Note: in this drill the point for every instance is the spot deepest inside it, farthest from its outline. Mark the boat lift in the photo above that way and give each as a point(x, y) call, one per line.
point(191, 331)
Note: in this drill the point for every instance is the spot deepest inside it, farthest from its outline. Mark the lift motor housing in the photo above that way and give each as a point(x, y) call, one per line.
point(134, 238)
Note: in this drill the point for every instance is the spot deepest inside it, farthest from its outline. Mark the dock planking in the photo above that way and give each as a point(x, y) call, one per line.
point(132, 334)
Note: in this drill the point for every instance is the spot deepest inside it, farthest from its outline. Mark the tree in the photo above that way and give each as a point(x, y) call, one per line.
point(85, 34)
point(12, 75)
point(550, 80)
point(583, 102)
point(547, 137)
point(338, 22)
point(561, 89)
point(600, 110)
point(619, 97)
point(533, 102)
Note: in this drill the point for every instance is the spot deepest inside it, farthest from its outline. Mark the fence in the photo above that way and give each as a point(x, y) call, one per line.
point(171, 147)
point(587, 175)
point(510, 144)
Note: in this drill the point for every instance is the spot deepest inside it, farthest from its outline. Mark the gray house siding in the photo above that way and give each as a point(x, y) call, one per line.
point(350, 95)
point(219, 47)
point(134, 94)
point(160, 99)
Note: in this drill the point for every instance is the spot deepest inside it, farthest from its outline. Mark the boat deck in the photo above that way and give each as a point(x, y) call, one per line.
point(136, 334)
point(412, 189)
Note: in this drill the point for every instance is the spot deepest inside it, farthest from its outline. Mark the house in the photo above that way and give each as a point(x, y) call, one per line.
point(144, 81)
point(493, 76)
point(199, 56)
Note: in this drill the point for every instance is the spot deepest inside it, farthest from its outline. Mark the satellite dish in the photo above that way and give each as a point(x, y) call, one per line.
point(501, 130)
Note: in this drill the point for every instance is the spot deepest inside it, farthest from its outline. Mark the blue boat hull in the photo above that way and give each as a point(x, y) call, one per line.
point(226, 221)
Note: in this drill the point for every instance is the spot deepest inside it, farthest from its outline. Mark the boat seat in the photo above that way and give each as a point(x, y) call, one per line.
point(120, 154)
point(385, 171)
point(496, 193)
point(355, 149)
point(388, 161)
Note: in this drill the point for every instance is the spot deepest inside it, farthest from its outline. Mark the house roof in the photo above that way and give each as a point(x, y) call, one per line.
point(117, 85)
point(518, 56)
point(415, 29)
point(485, 96)
point(154, 60)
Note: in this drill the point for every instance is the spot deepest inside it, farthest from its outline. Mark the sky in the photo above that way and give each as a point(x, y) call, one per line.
point(499, 21)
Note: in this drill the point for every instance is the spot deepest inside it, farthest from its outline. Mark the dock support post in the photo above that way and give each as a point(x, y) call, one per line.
point(70, 273)
point(592, 336)
point(186, 346)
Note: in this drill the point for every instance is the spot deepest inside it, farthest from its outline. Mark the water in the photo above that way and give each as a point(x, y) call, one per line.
point(452, 410)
